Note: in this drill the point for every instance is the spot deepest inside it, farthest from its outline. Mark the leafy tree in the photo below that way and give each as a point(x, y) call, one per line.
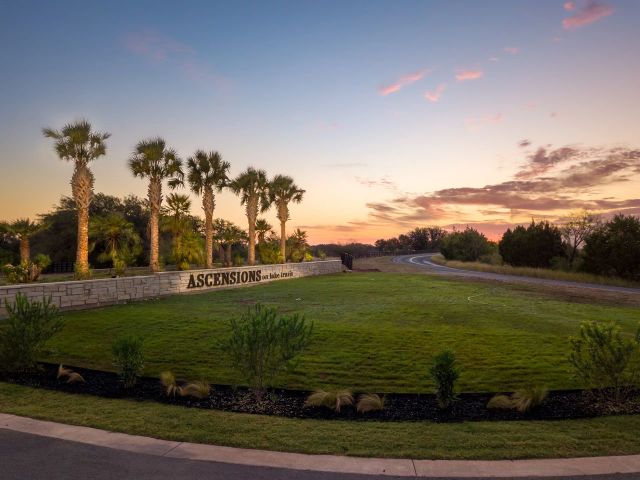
point(207, 174)
point(153, 160)
point(77, 142)
point(576, 230)
point(282, 192)
point(119, 240)
point(467, 246)
point(22, 230)
point(533, 246)
point(227, 235)
point(252, 186)
point(614, 248)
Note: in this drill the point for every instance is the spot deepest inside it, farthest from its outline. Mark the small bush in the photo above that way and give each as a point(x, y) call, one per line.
point(199, 389)
point(333, 400)
point(70, 375)
point(168, 381)
point(26, 272)
point(604, 359)
point(129, 358)
point(24, 335)
point(262, 344)
point(445, 373)
point(370, 402)
point(529, 398)
point(500, 402)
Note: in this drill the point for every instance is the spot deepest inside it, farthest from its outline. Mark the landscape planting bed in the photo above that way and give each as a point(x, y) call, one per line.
point(290, 403)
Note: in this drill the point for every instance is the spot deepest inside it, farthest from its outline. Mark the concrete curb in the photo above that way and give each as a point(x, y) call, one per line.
point(325, 463)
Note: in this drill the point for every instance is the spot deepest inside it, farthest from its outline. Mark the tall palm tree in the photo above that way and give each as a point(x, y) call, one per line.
point(153, 160)
point(207, 174)
point(252, 186)
point(22, 230)
point(119, 237)
point(282, 191)
point(262, 228)
point(176, 221)
point(78, 143)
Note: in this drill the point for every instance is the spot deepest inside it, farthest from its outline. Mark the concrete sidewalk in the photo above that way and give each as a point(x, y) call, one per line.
point(325, 463)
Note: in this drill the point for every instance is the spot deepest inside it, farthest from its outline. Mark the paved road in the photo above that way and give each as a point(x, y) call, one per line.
point(26, 456)
point(423, 261)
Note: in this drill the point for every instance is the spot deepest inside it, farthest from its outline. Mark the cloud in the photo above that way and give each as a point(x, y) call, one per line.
point(383, 182)
point(434, 96)
point(159, 48)
point(524, 143)
point(462, 75)
point(568, 6)
point(402, 82)
point(590, 13)
point(543, 160)
point(345, 165)
point(511, 50)
point(475, 124)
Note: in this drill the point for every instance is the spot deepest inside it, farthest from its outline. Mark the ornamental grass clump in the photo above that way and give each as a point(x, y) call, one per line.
point(263, 344)
point(370, 402)
point(69, 375)
point(26, 331)
point(129, 359)
point(333, 399)
point(198, 389)
point(605, 359)
point(523, 400)
point(168, 381)
point(445, 373)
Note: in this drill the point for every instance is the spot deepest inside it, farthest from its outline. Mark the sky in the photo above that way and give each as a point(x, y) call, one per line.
point(390, 114)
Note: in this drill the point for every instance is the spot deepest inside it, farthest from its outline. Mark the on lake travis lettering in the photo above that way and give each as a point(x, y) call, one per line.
point(218, 279)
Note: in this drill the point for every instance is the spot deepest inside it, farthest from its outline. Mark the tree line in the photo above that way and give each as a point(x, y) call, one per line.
point(127, 231)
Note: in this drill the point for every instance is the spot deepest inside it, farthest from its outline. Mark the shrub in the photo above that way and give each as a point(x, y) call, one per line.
point(467, 246)
point(270, 253)
point(262, 344)
point(603, 358)
point(129, 358)
point(198, 389)
point(370, 402)
point(26, 272)
point(333, 400)
point(70, 375)
point(25, 333)
point(529, 398)
point(500, 402)
point(533, 246)
point(168, 381)
point(445, 373)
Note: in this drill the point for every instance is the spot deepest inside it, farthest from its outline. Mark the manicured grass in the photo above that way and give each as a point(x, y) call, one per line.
point(373, 332)
point(469, 440)
point(546, 273)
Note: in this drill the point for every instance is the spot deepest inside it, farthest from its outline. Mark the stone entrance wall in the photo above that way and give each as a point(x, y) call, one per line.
point(93, 293)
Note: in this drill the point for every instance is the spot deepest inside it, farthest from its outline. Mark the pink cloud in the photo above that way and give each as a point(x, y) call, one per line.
point(402, 82)
point(592, 12)
point(494, 59)
point(474, 124)
point(511, 50)
point(434, 96)
point(568, 6)
point(463, 75)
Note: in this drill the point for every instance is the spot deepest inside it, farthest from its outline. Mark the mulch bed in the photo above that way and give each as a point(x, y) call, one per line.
point(558, 405)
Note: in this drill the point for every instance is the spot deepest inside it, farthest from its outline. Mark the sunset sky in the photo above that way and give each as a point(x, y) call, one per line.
point(391, 114)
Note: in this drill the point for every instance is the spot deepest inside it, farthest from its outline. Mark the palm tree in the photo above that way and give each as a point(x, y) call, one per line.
point(207, 173)
point(153, 160)
point(262, 228)
point(283, 191)
point(77, 142)
point(176, 221)
point(252, 185)
point(22, 230)
point(120, 240)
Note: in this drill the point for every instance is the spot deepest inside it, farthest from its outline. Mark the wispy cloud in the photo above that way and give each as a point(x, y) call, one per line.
point(476, 123)
point(384, 182)
point(462, 75)
point(511, 50)
point(590, 13)
point(402, 82)
point(568, 6)
point(434, 96)
point(345, 165)
point(161, 49)
point(494, 59)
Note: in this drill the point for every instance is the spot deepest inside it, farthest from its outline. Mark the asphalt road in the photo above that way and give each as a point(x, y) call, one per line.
point(25, 456)
point(424, 262)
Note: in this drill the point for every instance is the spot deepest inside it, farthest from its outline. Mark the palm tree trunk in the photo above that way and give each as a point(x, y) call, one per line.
point(283, 240)
point(155, 199)
point(25, 250)
point(228, 261)
point(208, 205)
point(252, 215)
point(82, 189)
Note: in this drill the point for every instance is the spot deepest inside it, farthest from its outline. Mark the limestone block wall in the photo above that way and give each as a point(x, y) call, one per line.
point(93, 293)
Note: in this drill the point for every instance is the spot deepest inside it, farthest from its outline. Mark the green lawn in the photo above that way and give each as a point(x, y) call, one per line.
point(616, 435)
point(374, 332)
